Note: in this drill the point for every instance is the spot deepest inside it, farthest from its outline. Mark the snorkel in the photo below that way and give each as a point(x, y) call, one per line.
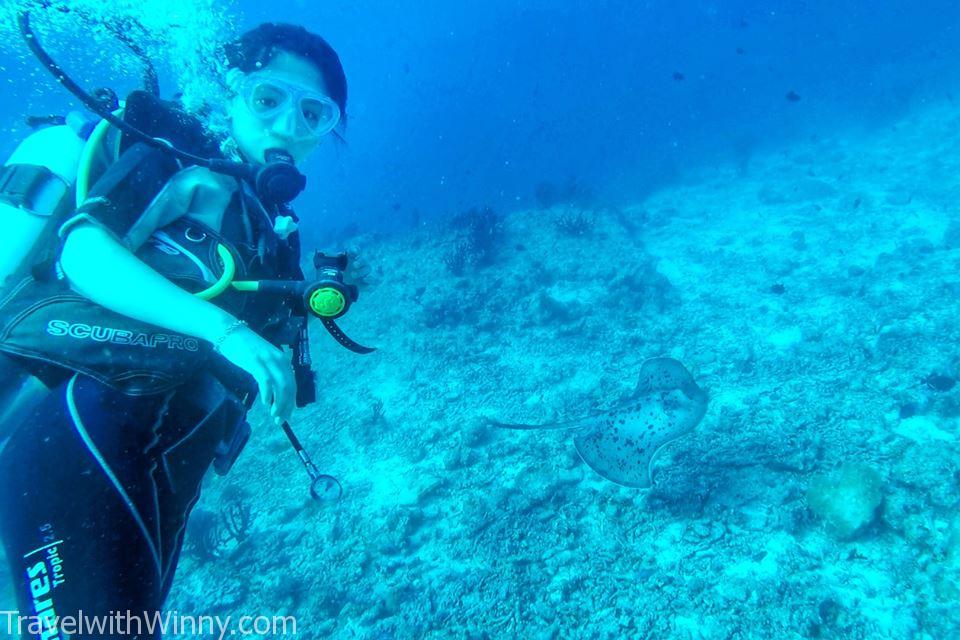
point(276, 183)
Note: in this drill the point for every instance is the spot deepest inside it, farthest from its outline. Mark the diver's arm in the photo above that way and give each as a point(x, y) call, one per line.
point(121, 282)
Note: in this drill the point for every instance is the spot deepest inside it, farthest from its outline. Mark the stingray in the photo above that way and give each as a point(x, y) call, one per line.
point(620, 444)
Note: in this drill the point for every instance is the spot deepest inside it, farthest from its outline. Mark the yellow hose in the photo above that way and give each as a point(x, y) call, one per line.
point(221, 285)
point(89, 152)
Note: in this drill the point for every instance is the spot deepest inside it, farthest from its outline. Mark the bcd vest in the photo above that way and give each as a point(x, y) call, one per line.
point(43, 320)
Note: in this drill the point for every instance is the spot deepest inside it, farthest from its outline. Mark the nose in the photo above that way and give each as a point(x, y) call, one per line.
point(285, 125)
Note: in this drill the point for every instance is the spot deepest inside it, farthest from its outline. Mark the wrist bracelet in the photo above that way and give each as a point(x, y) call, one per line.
point(223, 336)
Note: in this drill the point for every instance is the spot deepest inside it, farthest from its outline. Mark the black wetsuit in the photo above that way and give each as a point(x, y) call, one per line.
point(95, 497)
point(99, 480)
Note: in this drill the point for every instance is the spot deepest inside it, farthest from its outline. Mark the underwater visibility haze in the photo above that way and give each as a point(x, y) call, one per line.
point(644, 327)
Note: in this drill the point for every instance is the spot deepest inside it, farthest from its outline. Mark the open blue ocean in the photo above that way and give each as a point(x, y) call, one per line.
point(665, 302)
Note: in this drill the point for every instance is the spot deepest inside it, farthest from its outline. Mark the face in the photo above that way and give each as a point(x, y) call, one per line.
point(284, 105)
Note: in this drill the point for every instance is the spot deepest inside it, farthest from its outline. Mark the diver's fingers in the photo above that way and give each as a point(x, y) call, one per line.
point(281, 388)
point(285, 391)
point(266, 393)
point(263, 385)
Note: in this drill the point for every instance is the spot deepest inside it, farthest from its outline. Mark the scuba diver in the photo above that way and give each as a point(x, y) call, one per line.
point(138, 328)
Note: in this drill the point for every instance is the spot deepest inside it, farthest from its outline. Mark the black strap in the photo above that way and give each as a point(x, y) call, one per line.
point(343, 339)
point(21, 184)
point(302, 367)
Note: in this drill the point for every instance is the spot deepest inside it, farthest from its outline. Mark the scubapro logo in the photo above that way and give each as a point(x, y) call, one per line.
point(97, 333)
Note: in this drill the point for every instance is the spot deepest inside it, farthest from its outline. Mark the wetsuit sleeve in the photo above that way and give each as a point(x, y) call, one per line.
point(119, 198)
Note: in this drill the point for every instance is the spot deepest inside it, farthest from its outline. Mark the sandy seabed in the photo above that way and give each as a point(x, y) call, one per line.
point(813, 294)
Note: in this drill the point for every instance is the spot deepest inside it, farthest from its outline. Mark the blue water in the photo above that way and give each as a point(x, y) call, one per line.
point(763, 191)
point(452, 108)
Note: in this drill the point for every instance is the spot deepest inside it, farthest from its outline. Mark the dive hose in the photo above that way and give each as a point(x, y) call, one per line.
point(87, 157)
point(323, 487)
point(327, 298)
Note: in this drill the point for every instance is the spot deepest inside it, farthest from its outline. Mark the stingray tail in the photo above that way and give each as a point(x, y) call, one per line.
point(551, 426)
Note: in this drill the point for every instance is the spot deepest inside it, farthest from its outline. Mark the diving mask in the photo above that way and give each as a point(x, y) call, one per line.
point(269, 98)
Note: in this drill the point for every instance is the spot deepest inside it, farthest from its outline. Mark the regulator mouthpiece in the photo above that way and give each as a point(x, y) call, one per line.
point(279, 181)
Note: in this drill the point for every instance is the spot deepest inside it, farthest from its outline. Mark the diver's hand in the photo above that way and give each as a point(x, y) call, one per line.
point(268, 365)
point(358, 271)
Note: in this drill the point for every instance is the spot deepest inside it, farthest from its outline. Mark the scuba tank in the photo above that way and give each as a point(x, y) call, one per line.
point(38, 186)
point(49, 173)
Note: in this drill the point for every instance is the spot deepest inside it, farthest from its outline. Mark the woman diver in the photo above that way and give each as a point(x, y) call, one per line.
point(135, 354)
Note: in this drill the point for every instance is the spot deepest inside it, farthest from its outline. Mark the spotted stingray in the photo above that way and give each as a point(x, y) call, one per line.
point(620, 444)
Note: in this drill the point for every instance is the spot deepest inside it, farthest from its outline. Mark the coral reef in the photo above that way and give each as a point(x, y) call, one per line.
point(212, 534)
point(451, 530)
point(481, 233)
point(846, 499)
point(575, 224)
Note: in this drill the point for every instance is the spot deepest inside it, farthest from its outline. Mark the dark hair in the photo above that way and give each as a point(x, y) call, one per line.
point(259, 46)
